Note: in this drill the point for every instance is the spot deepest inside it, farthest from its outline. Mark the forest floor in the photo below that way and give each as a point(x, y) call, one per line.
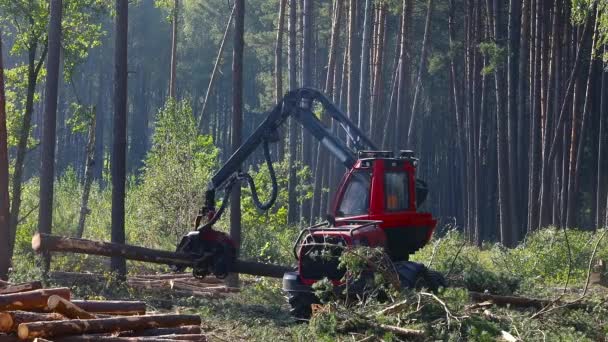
point(549, 265)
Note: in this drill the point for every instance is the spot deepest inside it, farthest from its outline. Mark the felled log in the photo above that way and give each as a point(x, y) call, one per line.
point(31, 300)
point(4, 283)
point(183, 330)
point(52, 243)
point(9, 338)
point(15, 288)
point(91, 338)
point(67, 308)
point(514, 301)
point(112, 307)
point(103, 325)
point(10, 320)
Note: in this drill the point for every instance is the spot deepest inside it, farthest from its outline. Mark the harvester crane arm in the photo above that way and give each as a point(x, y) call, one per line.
point(299, 104)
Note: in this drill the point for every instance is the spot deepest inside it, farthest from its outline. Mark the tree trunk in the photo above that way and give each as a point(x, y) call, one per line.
point(101, 325)
point(352, 65)
point(119, 146)
point(5, 232)
point(403, 93)
point(47, 158)
point(9, 321)
point(31, 300)
point(33, 69)
point(602, 145)
point(100, 115)
point(23, 287)
point(321, 173)
point(237, 122)
point(278, 67)
point(216, 65)
point(421, 69)
point(112, 307)
point(514, 28)
point(173, 48)
point(292, 201)
point(186, 329)
point(88, 175)
point(52, 243)
point(364, 73)
point(377, 116)
point(66, 308)
point(307, 81)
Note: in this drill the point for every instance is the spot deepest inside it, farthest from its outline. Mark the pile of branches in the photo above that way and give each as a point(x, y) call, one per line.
point(30, 312)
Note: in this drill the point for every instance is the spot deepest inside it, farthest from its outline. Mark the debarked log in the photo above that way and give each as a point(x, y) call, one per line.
point(67, 308)
point(31, 300)
point(112, 307)
point(10, 320)
point(103, 325)
point(53, 243)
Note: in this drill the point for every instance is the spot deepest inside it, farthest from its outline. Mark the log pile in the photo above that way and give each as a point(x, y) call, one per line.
point(31, 313)
point(176, 284)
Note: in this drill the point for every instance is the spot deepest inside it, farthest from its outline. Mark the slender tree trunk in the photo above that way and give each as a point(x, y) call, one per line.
point(364, 73)
point(216, 65)
point(119, 145)
point(602, 145)
point(403, 94)
point(508, 234)
point(421, 69)
point(307, 81)
point(88, 175)
point(237, 121)
point(47, 158)
point(278, 66)
point(292, 206)
point(173, 48)
point(573, 186)
point(352, 52)
point(377, 116)
point(33, 69)
point(99, 130)
point(5, 248)
point(321, 165)
point(514, 28)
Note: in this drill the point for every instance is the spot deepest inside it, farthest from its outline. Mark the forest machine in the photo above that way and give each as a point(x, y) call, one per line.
point(375, 205)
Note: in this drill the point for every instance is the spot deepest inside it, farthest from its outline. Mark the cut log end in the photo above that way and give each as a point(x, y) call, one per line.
point(6, 322)
point(36, 242)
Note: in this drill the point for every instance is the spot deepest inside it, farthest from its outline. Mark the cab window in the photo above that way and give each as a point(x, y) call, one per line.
point(396, 195)
point(355, 200)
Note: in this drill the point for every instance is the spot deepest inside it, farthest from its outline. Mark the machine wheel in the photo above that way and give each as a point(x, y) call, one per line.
point(300, 303)
point(431, 280)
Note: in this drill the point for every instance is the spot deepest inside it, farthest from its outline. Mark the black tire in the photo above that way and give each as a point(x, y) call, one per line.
point(300, 303)
point(431, 280)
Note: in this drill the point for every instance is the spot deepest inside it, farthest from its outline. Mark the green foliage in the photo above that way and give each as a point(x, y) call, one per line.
point(82, 117)
point(174, 177)
point(497, 55)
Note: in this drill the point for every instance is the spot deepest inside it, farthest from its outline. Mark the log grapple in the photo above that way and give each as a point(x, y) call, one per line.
point(376, 205)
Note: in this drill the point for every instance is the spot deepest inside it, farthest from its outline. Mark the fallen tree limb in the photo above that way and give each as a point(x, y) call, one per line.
point(16, 288)
point(10, 320)
point(103, 325)
point(31, 300)
point(409, 333)
point(186, 329)
point(515, 301)
point(165, 338)
point(52, 243)
point(67, 308)
point(112, 307)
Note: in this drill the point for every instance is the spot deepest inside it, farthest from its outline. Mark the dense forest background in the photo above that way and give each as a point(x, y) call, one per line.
point(504, 102)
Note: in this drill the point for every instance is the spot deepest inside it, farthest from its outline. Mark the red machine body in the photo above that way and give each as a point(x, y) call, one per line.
point(376, 206)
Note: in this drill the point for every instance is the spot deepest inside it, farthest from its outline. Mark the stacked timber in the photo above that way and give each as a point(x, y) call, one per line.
point(176, 284)
point(31, 313)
